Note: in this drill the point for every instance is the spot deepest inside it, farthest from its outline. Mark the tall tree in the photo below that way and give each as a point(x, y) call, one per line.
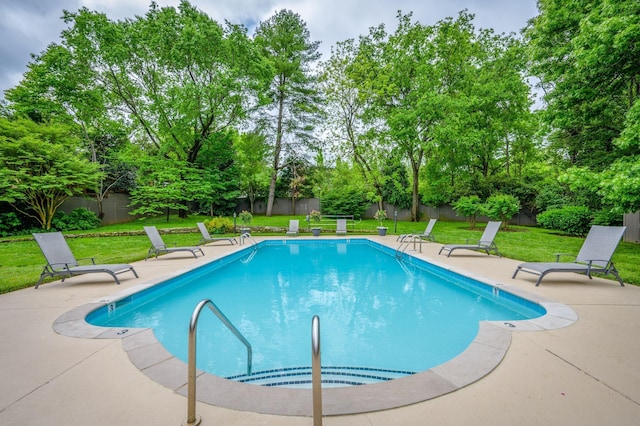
point(176, 75)
point(583, 53)
point(345, 124)
point(497, 119)
point(251, 149)
point(293, 97)
point(415, 75)
point(586, 54)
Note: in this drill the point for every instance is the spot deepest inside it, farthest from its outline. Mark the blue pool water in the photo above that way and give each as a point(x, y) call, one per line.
point(376, 312)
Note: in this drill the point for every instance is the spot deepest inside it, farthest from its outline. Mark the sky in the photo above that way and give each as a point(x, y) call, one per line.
point(28, 26)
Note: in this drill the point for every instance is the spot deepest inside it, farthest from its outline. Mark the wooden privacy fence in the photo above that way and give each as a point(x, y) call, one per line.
point(116, 209)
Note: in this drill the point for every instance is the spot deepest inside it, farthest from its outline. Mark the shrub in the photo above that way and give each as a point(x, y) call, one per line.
point(573, 220)
point(607, 217)
point(219, 225)
point(348, 201)
point(551, 197)
point(502, 207)
point(9, 224)
point(245, 217)
point(468, 207)
point(78, 219)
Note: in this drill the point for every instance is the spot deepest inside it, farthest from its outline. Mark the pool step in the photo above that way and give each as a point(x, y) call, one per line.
point(300, 377)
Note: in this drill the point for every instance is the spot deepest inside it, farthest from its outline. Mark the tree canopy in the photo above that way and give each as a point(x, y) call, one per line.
point(186, 113)
point(40, 168)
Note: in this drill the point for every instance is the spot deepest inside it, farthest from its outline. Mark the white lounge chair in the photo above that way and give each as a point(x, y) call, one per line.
point(341, 226)
point(159, 247)
point(294, 228)
point(594, 257)
point(207, 238)
point(485, 244)
point(62, 263)
point(426, 235)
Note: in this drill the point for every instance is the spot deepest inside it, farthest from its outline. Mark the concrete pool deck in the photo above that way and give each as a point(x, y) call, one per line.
point(585, 373)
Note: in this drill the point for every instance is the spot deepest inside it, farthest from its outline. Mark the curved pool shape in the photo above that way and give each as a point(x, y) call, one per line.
point(382, 318)
point(481, 356)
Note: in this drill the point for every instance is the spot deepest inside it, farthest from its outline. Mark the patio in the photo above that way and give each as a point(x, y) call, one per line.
point(582, 374)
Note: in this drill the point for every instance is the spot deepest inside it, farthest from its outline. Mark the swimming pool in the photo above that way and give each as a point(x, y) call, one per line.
point(382, 317)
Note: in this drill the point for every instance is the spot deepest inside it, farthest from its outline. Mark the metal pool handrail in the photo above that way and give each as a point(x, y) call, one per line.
point(247, 236)
point(316, 375)
point(192, 419)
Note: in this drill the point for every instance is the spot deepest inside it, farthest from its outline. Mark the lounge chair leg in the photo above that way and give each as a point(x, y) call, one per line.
point(39, 281)
point(613, 271)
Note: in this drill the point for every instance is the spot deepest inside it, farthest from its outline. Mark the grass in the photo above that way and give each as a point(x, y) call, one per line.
point(21, 261)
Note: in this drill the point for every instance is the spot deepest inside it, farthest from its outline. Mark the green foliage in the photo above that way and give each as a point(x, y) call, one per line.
point(217, 160)
point(79, 219)
point(9, 224)
point(40, 166)
point(168, 185)
point(583, 184)
point(620, 185)
point(395, 189)
point(501, 207)
point(245, 217)
point(437, 192)
point(573, 220)
point(607, 217)
point(349, 201)
point(552, 195)
point(448, 95)
point(179, 80)
point(293, 182)
point(470, 207)
point(585, 54)
point(219, 225)
point(251, 153)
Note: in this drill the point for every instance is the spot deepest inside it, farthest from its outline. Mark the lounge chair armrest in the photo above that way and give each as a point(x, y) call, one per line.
point(93, 262)
point(558, 255)
point(59, 265)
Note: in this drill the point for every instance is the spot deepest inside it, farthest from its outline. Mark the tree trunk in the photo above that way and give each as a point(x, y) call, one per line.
point(415, 196)
point(276, 156)
point(272, 192)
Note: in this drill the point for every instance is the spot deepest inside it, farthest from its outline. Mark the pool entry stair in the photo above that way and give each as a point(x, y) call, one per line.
point(301, 377)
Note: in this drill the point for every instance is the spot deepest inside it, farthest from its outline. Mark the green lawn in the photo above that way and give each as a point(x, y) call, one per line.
point(21, 261)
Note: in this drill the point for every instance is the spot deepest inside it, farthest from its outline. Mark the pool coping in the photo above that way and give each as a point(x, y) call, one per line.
point(482, 356)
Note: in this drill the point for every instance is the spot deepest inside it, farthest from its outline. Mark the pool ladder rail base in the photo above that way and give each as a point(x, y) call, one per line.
point(406, 242)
